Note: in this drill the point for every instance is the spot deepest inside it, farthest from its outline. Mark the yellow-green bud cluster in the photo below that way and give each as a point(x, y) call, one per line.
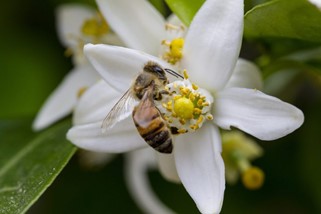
point(238, 152)
point(186, 107)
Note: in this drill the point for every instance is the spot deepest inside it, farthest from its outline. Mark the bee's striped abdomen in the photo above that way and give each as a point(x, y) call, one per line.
point(152, 128)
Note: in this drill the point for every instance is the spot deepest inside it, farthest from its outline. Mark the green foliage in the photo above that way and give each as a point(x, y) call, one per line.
point(160, 6)
point(185, 9)
point(29, 164)
point(296, 19)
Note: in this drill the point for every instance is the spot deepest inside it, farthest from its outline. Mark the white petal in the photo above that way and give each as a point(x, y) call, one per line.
point(246, 75)
point(201, 167)
point(256, 113)
point(137, 22)
point(95, 103)
point(137, 164)
point(70, 18)
point(167, 167)
point(213, 43)
point(117, 65)
point(174, 20)
point(123, 137)
point(61, 102)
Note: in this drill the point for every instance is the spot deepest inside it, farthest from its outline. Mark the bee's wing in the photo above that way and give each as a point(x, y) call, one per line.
point(121, 110)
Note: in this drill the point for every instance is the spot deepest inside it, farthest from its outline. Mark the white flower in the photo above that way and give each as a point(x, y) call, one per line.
point(210, 54)
point(137, 164)
point(76, 26)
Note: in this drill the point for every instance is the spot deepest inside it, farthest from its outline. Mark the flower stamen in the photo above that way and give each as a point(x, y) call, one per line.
point(174, 51)
point(95, 26)
point(81, 91)
point(186, 106)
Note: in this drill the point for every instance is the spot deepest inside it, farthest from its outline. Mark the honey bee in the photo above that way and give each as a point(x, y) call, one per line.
point(147, 87)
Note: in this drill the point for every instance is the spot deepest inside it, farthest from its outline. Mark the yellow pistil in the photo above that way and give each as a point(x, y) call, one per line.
point(184, 108)
point(253, 178)
point(175, 52)
point(96, 26)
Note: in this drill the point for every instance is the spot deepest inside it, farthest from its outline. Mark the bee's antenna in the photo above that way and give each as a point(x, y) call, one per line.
point(173, 73)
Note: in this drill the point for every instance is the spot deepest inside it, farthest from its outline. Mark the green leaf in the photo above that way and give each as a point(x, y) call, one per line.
point(160, 6)
point(28, 167)
point(185, 9)
point(296, 19)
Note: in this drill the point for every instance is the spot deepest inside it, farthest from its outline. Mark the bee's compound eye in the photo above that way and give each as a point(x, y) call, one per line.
point(158, 70)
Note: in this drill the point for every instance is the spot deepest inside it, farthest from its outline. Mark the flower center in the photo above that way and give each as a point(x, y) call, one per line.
point(95, 26)
point(174, 52)
point(186, 107)
point(93, 30)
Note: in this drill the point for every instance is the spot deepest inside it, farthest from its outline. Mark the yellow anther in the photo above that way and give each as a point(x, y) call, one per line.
point(174, 115)
point(169, 103)
point(200, 102)
point(197, 111)
point(185, 75)
point(253, 178)
point(194, 127)
point(205, 104)
point(184, 91)
point(199, 120)
point(195, 87)
point(169, 26)
point(209, 117)
point(165, 42)
point(81, 91)
point(175, 85)
point(182, 121)
point(181, 131)
point(184, 108)
point(191, 96)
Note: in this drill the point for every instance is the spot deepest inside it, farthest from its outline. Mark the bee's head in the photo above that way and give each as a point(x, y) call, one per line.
point(155, 69)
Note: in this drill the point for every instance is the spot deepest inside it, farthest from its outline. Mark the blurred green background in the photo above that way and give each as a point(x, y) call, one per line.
point(32, 64)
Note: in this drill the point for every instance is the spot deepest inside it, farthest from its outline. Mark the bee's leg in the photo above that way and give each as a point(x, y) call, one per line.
point(158, 94)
